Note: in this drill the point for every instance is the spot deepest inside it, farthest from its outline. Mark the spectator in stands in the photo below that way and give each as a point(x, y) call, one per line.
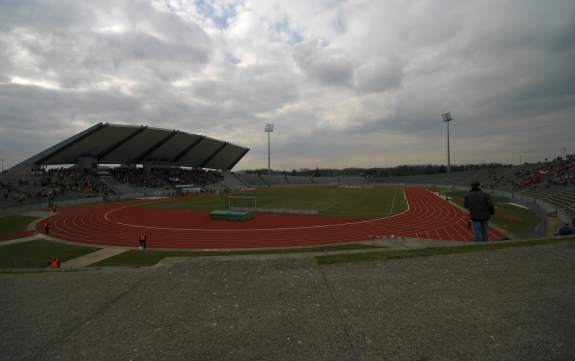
point(480, 211)
point(566, 230)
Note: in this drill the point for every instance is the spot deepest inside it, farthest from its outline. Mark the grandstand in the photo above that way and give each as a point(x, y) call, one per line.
point(325, 180)
point(250, 179)
point(147, 146)
point(561, 197)
point(351, 180)
point(549, 182)
point(275, 180)
point(109, 159)
point(120, 160)
point(501, 178)
point(298, 180)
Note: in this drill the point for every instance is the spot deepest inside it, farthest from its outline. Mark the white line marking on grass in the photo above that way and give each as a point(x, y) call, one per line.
point(393, 203)
point(517, 205)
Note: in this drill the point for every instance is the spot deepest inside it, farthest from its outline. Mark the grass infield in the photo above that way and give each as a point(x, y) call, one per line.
point(38, 253)
point(516, 221)
point(135, 258)
point(330, 201)
point(15, 223)
point(426, 252)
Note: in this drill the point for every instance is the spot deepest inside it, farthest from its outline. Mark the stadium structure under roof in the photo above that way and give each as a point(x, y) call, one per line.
point(106, 143)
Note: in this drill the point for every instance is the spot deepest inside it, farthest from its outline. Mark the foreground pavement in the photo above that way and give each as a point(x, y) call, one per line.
point(513, 304)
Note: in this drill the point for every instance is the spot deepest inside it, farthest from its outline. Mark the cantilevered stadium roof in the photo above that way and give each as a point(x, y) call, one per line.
point(127, 144)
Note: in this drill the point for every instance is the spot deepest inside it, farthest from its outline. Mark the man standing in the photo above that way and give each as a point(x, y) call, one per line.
point(143, 238)
point(480, 210)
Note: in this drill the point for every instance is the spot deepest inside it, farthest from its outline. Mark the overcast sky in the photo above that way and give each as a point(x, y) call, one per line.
point(346, 83)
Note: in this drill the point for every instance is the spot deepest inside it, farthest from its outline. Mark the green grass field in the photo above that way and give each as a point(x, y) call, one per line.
point(145, 258)
point(517, 221)
point(38, 253)
point(330, 201)
point(15, 223)
point(434, 251)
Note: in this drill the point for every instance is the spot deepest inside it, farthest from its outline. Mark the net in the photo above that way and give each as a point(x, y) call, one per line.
point(238, 202)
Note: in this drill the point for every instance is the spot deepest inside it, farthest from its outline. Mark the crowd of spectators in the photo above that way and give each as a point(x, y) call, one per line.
point(11, 192)
point(138, 177)
point(47, 185)
point(181, 176)
point(558, 172)
point(66, 180)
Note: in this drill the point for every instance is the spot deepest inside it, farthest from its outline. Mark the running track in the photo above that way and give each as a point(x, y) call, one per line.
point(119, 224)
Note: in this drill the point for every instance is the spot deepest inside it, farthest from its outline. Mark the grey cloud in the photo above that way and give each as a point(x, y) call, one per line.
point(379, 75)
point(252, 89)
point(504, 69)
point(31, 107)
point(329, 67)
point(44, 14)
point(159, 46)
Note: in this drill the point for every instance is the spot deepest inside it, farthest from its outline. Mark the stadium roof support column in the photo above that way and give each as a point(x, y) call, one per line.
point(190, 147)
point(144, 155)
point(118, 144)
point(211, 156)
point(233, 164)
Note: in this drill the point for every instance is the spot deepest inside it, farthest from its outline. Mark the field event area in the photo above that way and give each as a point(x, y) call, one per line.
point(356, 202)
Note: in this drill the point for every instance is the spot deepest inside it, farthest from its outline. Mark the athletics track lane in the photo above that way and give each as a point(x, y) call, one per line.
point(119, 224)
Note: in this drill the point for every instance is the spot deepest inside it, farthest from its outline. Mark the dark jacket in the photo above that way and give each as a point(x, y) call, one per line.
point(566, 231)
point(479, 205)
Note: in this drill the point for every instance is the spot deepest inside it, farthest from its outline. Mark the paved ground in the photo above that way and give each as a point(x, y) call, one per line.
point(92, 258)
point(515, 304)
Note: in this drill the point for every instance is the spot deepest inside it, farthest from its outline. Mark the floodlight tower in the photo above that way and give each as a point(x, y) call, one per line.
point(447, 118)
point(269, 128)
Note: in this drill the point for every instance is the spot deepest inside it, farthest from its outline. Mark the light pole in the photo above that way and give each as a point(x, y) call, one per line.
point(447, 118)
point(269, 128)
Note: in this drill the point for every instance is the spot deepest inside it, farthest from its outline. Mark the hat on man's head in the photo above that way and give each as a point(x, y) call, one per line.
point(475, 185)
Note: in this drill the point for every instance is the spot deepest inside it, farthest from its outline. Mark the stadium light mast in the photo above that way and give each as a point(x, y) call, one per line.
point(447, 119)
point(269, 128)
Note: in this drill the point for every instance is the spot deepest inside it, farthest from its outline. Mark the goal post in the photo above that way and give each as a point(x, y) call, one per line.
point(239, 202)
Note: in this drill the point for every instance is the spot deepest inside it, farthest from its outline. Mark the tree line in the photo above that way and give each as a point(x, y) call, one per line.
point(397, 171)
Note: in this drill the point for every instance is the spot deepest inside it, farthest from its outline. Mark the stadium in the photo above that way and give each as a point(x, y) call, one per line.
point(287, 180)
point(170, 184)
point(133, 196)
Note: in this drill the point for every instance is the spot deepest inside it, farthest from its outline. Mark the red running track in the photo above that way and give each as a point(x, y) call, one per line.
point(119, 224)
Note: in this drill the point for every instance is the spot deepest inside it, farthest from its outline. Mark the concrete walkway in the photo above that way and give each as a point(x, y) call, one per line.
point(92, 258)
point(21, 240)
point(509, 305)
point(41, 215)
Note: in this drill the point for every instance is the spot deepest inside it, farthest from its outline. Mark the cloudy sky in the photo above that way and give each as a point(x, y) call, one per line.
point(346, 83)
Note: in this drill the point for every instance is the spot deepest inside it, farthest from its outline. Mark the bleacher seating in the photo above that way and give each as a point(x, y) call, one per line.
point(250, 179)
point(231, 181)
point(351, 180)
point(273, 180)
point(325, 180)
point(48, 185)
point(494, 178)
point(563, 197)
point(298, 180)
